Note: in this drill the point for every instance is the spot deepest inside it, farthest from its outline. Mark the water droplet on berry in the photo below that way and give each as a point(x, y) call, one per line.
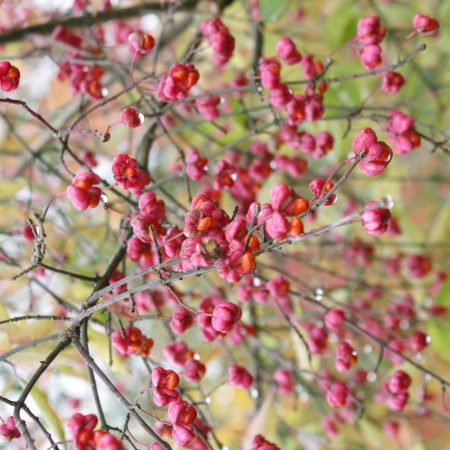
point(318, 294)
point(334, 338)
point(334, 201)
point(388, 201)
point(254, 393)
point(372, 377)
point(150, 22)
point(256, 282)
point(404, 324)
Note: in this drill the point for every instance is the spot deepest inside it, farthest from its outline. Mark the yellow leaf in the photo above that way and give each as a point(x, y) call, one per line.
point(48, 413)
point(258, 424)
point(441, 225)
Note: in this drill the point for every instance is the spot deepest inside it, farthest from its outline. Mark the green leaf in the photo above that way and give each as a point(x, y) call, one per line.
point(441, 224)
point(371, 431)
point(271, 10)
point(438, 328)
point(48, 413)
point(3, 313)
point(260, 420)
point(443, 298)
point(340, 25)
point(439, 331)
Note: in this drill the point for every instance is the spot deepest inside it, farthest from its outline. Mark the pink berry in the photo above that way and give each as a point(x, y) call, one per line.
point(399, 382)
point(260, 443)
point(8, 429)
point(378, 157)
point(370, 31)
point(207, 107)
point(131, 118)
point(425, 25)
point(181, 413)
point(27, 233)
point(363, 140)
point(127, 174)
point(225, 316)
point(142, 43)
point(239, 376)
point(194, 370)
point(182, 319)
point(83, 192)
point(284, 380)
point(287, 51)
point(337, 394)
point(371, 56)
point(109, 442)
point(182, 435)
point(392, 82)
point(418, 266)
point(9, 76)
point(375, 220)
point(418, 340)
point(398, 402)
point(334, 319)
point(319, 189)
point(345, 356)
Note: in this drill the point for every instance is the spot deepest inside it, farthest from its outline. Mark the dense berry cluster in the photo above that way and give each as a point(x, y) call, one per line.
point(255, 166)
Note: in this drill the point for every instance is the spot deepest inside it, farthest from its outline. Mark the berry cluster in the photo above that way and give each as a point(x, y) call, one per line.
point(177, 83)
point(131, 341)
point(370, 34)
point(402, 134)
point(81, 428)
point(220, 40)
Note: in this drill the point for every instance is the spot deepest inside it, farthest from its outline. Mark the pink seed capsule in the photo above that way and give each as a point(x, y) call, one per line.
point(425, 25)
point(142, 43)
point(239, 376)
point(131, 118)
